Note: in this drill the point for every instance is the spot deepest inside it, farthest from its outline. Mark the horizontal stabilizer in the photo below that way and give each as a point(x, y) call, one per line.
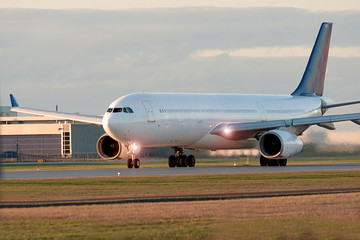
point(339, 104)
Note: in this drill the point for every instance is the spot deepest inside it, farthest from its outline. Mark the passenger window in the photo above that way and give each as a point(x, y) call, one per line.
point(129, 110)
point(117, 109)
point(109, 110)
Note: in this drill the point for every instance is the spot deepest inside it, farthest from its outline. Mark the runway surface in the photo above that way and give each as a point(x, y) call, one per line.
point(174, 171)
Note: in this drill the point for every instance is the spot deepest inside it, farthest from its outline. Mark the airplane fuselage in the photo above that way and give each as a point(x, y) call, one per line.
point(186, 120)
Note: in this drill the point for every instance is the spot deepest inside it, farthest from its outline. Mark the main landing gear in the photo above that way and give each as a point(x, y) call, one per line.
point(181, 160)
point(272, 162)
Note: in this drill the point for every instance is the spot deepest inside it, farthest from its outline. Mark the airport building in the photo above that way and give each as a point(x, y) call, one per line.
point(29, 138)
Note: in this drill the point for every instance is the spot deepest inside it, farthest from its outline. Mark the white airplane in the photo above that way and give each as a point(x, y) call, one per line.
point(216, 121)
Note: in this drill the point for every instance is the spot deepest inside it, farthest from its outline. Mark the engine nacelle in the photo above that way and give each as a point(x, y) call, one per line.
point(110, 149)
point(278, 144)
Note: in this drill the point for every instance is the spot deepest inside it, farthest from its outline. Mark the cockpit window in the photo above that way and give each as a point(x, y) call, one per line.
point(118, 109)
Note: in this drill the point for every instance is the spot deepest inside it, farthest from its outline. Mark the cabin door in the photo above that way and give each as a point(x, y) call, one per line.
point(149, 110)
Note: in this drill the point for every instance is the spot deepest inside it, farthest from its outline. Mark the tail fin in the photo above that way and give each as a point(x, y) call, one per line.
point(13, 101)
point(312, 82)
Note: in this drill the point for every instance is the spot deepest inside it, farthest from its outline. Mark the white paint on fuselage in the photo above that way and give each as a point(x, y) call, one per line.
point(185, 120)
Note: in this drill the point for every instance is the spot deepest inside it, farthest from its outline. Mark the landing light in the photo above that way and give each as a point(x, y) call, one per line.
point(134, 148)
point(227, 130)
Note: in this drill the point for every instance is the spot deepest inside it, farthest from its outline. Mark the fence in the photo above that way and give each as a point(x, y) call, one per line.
point(14, 157)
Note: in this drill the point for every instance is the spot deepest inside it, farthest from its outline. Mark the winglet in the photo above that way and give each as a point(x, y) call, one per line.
point(312, 82)
point(13, 101)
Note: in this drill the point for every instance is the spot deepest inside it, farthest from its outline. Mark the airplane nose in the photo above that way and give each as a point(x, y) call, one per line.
point(112, 126)
point(108, 124)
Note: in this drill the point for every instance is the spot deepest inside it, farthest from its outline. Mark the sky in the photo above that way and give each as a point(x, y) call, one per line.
point(82, 55)
point(318, 5)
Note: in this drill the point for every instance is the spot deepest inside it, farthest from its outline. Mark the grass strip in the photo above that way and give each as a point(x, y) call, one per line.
point(332, 216)
point(197, 229)
point(72, 190)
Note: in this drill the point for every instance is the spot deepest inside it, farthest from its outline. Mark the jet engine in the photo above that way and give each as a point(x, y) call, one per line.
point(279, 144)
point(110, 149)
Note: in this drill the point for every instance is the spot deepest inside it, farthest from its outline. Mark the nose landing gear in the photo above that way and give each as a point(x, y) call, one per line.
point(133, 162)
point(181, 160)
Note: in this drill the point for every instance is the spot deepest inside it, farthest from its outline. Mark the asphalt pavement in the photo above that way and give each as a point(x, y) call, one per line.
point(173, 171)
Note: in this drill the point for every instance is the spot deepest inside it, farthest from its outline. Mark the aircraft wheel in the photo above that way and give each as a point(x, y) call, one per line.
point(130, 163)
point(182, 161)
point(191, 161)
point(273, 162)
point(136, 163)
point(172, 161)
point(263, 161)
point(283, 162)
point(178, 161)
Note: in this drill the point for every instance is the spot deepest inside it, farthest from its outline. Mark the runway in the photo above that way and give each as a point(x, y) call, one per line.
point(174, 171)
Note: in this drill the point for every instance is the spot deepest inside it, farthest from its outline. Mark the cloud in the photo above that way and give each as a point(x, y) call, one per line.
point(344, 52)
point(137, 58)
point(274, 52)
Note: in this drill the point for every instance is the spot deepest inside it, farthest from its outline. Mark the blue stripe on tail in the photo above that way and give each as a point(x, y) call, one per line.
point(312, 82)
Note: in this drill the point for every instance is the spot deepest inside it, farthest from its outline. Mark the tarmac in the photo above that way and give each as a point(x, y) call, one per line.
point(173, 171)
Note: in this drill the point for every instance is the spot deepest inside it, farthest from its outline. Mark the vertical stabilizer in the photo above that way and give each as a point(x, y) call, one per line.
point(312, 82)
point(13, 101)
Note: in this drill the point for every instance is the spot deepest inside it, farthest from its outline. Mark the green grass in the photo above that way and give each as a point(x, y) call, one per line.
point(112, 187)
point(290, 228)
point(85, 229)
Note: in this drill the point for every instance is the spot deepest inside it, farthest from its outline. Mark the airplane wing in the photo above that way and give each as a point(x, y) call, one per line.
point(242, 131)
point(68, 116)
